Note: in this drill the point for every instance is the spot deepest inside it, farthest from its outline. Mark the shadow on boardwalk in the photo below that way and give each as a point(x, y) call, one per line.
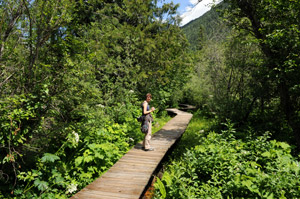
point(129, 177)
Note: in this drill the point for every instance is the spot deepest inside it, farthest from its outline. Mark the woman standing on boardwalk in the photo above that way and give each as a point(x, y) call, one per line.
point(148, 119)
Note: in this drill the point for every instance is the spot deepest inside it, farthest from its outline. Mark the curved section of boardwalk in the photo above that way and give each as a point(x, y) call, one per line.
point(130, 175)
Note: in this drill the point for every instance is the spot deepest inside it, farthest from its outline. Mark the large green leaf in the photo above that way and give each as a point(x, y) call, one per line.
point(48, 157)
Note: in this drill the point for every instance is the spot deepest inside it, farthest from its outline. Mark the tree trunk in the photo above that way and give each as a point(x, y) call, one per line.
point(289, 111)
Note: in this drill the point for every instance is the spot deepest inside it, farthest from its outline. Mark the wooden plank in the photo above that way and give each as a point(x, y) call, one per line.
point(142, 156)
point(134, 162)
point(89, 193)
point(105, 179)
point(126, 175)
point(117, 185)
point(142, 168)
point(139, 159)
point(133, 166)
point(150, 153)
point(114, 191)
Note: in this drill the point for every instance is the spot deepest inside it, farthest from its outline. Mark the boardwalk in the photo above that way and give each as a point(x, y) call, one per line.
point(130, 175)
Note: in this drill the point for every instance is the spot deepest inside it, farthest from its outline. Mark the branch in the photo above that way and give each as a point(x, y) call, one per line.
point(1, 84)
point(11, 25)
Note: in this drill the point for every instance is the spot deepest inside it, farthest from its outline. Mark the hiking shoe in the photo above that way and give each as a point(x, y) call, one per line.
point(150, 149)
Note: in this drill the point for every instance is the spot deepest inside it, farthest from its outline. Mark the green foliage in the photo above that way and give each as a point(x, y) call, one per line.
point(225, 78)
point(160, 186)
point(275, 26)
point(241, 73)
point(222, 166)
point(208, 27)
point(72, 79)
point(48, 157)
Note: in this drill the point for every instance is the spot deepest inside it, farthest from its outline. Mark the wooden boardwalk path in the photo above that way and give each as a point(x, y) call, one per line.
point(129, 177)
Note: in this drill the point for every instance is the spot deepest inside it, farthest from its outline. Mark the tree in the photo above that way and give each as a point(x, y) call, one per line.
point(275, 24)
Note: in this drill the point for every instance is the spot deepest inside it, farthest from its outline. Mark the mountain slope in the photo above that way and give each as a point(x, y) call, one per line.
point(207, 27)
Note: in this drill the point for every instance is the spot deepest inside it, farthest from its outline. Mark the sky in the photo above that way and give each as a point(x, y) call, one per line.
point(191, 9)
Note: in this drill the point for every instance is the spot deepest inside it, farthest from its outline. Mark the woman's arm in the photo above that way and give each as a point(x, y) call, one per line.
point(145, 108)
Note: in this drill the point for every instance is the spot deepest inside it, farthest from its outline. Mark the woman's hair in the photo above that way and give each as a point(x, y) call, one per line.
point(148, 95)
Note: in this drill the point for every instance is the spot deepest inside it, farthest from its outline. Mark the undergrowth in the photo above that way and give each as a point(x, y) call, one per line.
point(208, 164)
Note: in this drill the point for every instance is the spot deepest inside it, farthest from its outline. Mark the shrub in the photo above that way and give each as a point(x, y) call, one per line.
point(225, 167)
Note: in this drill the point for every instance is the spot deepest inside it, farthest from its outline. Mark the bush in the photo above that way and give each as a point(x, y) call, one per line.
point(225, 167)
